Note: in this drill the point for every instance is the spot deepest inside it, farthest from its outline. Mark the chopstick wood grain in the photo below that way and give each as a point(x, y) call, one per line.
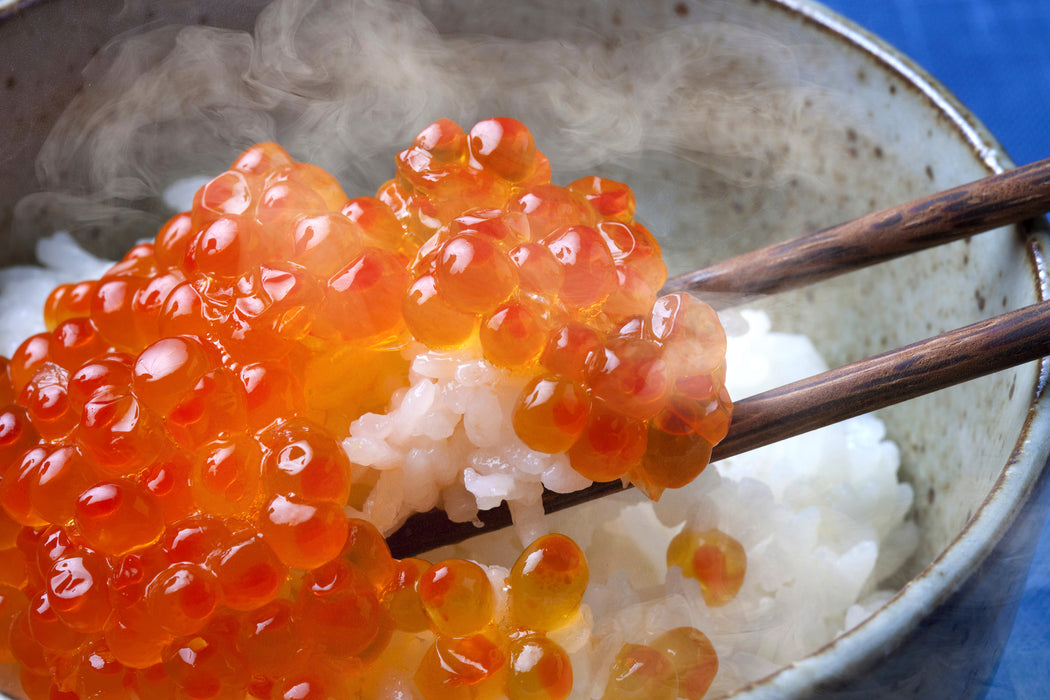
point(951, 358)
point(1001, 199)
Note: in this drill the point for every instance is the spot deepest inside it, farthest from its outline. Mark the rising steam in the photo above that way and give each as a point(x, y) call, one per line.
point(346, 83)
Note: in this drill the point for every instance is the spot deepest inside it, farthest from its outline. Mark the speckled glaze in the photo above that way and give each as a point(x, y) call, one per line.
point(857, 127)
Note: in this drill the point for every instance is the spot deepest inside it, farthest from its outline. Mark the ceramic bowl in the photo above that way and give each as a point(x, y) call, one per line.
point(795, 120)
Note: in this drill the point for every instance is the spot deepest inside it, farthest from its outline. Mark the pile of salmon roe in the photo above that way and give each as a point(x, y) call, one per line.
point(561, 282)
point(171, 476)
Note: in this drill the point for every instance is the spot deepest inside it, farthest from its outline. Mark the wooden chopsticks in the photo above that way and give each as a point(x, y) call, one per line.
point(1009, 197)
point(883, 380)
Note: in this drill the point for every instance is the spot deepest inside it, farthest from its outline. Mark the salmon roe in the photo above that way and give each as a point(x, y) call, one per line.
point(172, 483)
point(712, 557)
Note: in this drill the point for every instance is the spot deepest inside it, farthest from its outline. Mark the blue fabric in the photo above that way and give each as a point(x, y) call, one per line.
point(992, 54)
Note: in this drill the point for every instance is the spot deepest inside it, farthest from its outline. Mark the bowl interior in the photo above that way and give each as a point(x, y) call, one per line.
point(736, 123)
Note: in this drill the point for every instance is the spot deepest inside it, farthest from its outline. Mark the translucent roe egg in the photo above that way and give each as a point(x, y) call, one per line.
point(547, 582)
point(717, 560)
point(457, 596)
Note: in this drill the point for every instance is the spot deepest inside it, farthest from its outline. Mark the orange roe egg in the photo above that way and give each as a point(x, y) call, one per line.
point(693, 657)
point(185, 311)
point(168, 481)
point(366, 550)
point(324, 243)
point(134, 638)
point(169, 247)
point(310, 175)
point(112, 315)
point(182, 598)
point(99, 674)
point(514, 334)
point(587, 264)
point(169, 368)
point(504, 228)
point(12, 602)
point(214, 403)
point(539, 272)
point(305, 534)
point(401, 598)
point(74, 342)
point(271, 391)
point(76, 587)
point(611, 444)
point(641, 672)
point(29, 357)
point(304, 459)
point(473, 274)
point(285, 200)
point(457, 596)
point(46, 399)
point(249, 571)
point(194, 538)
point(547, 583)
point(201, 669)
point(118, 433)
point(634, 247)
point(568, 348)
point(7, 389)
point(314, 682)
point(715, 559)
point(227, 474)
point(26, 651)
point(431, 319)
point(609, 199)
point(152, 682)
point(15, 487)
point(221, 249)
point(503, 146)
point(14, 569)
point(268, 639)
point(339, 609)
point(548, 207)
point(228, 193)
point(671, 460)
point(364, 299)
point(62, 477)
point(117, 517)
point(630, 376)
point(377, 224)
point(261, 159)
point(48, 630)
point(690, 329)
point(68, 301)
point(539, 669)
point(551, 414)
point(456, 668)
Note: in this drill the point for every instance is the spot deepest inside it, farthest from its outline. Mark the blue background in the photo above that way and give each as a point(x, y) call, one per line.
point(993, 55)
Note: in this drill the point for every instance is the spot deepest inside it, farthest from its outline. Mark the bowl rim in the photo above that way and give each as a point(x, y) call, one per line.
point(895, 620)
point(998, 511)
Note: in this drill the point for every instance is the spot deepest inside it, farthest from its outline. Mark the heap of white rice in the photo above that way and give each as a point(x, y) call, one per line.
point(823, 517)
